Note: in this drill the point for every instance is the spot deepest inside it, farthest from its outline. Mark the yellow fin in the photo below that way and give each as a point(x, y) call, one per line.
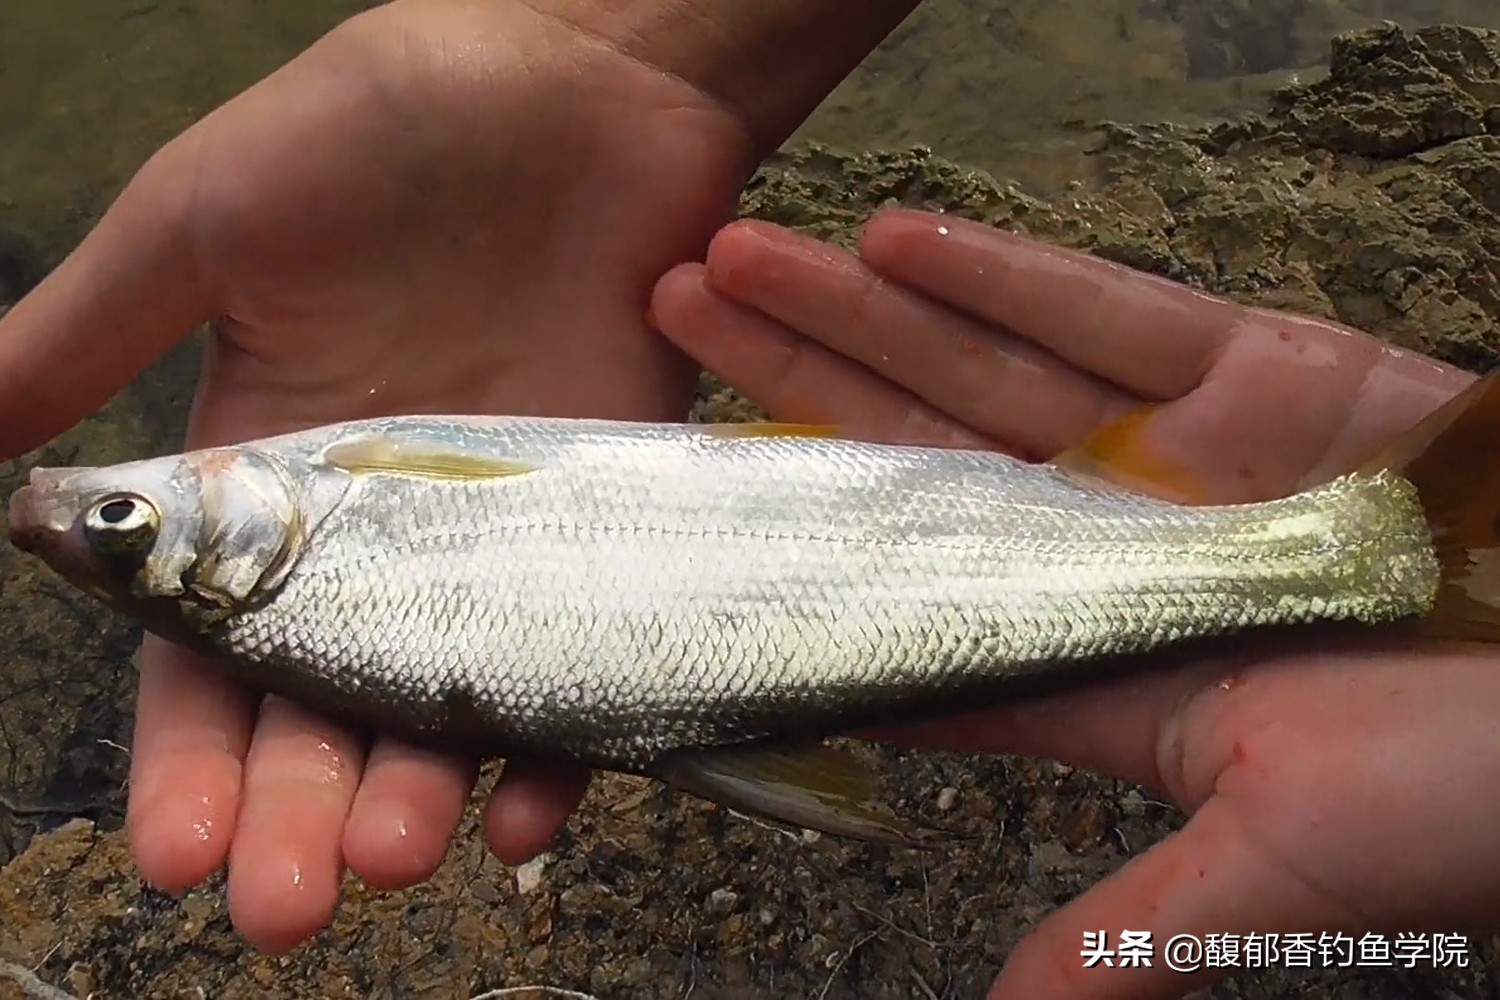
point(420, 458)
point(1118, 454)
point(822, 788)
point(770, 429)
point(1450, 457)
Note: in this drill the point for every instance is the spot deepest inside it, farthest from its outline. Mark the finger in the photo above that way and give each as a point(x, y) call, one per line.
point(1004, 385)
point(1212, 877)
point(404, 813)
point(793, 378)
point(1293, 401)
point(126, 293)
point(286, 863)
point(1153, 337)
point(1400, 389)
point(1129, 722)
point(529, 805)
point(1114, 727)
point(1278, 394)
point(192, 730)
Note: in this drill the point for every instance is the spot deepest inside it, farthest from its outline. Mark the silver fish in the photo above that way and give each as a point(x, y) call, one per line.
point(704, 603)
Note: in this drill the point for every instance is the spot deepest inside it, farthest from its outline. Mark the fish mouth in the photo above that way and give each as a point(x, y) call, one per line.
point(41, 513)
point(25, 526)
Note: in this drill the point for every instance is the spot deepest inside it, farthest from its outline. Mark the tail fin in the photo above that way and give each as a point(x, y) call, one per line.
point(1452, 457)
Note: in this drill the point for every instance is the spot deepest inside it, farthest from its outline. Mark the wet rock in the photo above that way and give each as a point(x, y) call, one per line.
point(1391, 93)
point(1084, 825)
point(529, 875)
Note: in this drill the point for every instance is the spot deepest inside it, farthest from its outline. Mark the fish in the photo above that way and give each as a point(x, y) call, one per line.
point(709, 604)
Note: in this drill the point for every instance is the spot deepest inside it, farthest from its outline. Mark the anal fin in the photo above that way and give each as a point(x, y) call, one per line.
point(818, 788)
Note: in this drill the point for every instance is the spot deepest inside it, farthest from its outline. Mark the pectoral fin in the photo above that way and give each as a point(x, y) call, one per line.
point(420, 458)
point(821, 788)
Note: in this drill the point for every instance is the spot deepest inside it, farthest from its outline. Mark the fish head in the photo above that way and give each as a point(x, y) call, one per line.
point(181, 542)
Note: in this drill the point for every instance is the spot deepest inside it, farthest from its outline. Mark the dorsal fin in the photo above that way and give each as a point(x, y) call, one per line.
point(1120, 455)
point(378, 453)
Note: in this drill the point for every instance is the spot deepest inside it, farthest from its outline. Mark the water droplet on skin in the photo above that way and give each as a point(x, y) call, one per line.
point(202, 830)
point(334, 764)
point(401, 830)
point(942, 230)
point(297, 878)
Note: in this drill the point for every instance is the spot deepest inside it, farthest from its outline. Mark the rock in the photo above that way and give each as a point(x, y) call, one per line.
point(529, 875)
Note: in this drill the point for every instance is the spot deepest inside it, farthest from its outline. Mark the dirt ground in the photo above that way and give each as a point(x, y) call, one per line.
point(1370, 195)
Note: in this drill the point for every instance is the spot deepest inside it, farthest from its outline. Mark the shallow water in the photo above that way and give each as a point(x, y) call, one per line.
point(89, 88)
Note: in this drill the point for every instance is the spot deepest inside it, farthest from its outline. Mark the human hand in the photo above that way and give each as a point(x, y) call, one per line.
point(442, 206)
point(1330, 787)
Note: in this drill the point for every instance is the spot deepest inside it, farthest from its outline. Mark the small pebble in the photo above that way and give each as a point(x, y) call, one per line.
point(529, 875)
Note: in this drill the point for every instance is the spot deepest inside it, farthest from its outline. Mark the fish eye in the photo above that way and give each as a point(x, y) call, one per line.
point(121, 525)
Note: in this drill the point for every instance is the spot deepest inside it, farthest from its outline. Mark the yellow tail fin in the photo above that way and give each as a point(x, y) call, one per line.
point(1452, 457)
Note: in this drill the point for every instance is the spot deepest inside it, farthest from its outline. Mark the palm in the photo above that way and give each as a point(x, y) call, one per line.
point(947, 332)
point(442, 206)
point(1311, 767)
point(451, 250)
point(454, 251)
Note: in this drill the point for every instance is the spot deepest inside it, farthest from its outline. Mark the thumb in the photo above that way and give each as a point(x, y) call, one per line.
point(1213, 883)
point(127, 292)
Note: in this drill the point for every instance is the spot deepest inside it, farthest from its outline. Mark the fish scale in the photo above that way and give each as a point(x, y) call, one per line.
point(703, 593)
